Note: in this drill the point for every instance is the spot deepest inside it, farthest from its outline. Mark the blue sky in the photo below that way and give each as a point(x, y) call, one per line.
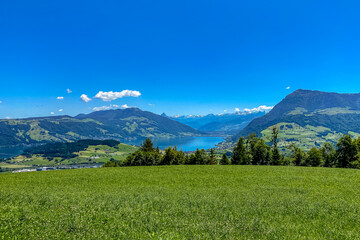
point(184, 57)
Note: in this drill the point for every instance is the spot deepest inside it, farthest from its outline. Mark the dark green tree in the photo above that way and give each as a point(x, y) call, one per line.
point(261, 153)
point(276, 157)
point(168, 157)
point(199, 157)
point(225, 160)
point(328, 155)
point(147, 155)
point(314, 157)
point(111, 163)
point(180, 158)
point(239, 155)
point(212, 158)
point(251, 141)
point(297, 155)
point(346, 151)
point(147, 145)
point(135, 159)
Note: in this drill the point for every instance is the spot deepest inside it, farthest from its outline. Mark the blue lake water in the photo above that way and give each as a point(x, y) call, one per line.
point(186, 144)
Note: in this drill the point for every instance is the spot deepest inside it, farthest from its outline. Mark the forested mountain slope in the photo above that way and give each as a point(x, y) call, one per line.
point(117, 124)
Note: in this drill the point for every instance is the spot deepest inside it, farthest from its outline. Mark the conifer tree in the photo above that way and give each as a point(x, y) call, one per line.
point(147, 145)
point(225, 160)
point(239, 155)
point(212, 158)
point(276, 157)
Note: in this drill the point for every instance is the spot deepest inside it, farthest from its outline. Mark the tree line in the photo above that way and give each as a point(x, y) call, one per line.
point(148, 155)
point(251, 151)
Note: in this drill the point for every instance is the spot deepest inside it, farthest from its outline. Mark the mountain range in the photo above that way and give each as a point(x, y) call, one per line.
point(309, 118)
point(120, 124)
point(224, 124)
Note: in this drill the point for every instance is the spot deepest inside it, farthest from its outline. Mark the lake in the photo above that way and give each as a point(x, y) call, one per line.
point(185, 143)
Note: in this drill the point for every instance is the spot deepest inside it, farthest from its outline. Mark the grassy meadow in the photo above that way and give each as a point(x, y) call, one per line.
point(182, 202)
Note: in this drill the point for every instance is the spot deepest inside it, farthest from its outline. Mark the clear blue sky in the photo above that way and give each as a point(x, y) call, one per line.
point(184, 57)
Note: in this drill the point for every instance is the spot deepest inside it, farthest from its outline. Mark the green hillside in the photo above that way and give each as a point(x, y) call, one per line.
point(309, 118)
point(304, 137)
point(181, 202)
point(118, 124)
point(49, 155)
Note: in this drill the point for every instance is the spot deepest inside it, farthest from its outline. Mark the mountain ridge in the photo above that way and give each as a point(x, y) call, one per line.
point(117, 124)
point(226, 123)
point(334, 113)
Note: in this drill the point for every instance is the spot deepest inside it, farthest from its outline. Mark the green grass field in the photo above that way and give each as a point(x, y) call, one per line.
point(182, 202)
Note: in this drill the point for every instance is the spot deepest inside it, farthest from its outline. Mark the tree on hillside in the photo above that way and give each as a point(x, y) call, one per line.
point(314, 157)
point(212, 158)
point(297, 155)
point(147, 155)
point(346, 151)
point(199, 157)
point(261, 153)
point(328, 154)
point(251, 142)
point(239, 155)
point(147, 145)
point(180, 157)
point(168, 156)
point(276, 157)
point(225, 160)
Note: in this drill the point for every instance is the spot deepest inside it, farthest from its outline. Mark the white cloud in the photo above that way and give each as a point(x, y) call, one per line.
point(68, 91)
point(60, 110)
point(60, 98)
point(150, 104)
point(52, 113)
point(85, 98)
point(287, 88)
point(110, 96)
point(262, 108)
point(8, 118)
point(237, 109)
point(125, 106)
point(105, 107)
point(0, 101)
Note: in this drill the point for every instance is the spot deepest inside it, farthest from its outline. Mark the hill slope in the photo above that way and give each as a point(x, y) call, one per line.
point(82, 152)
point(118, 124)
point(313, 115)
